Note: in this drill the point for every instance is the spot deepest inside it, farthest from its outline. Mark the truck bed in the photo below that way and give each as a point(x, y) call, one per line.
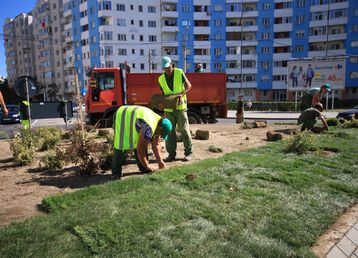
point(207, 88)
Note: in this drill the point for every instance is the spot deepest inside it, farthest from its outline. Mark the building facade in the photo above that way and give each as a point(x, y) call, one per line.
point(250, 40)
point(19, 47)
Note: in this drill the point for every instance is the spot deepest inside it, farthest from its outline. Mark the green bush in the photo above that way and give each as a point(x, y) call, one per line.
point(22, 147)
point(56, 160)
point(302, 143)
point(332, 121)
point(350, 124)
point(47, 138)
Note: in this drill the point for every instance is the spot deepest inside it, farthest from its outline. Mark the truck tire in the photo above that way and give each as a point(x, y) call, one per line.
point(194, 118)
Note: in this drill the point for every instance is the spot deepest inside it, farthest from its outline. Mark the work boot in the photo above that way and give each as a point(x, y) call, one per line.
point(170, 158)
point(188, 157)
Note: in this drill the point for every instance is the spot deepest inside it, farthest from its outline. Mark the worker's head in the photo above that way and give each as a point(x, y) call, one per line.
point(167, 64)
point(319, 106)
point(165, 127)
point(325, 88)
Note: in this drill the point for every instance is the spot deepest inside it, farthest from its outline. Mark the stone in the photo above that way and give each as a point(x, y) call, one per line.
point(272, 136)
point(202, 135)
point(260, 124)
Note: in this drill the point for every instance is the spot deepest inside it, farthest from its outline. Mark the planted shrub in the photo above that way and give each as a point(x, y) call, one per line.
point(350, 124)
point(55, 161)
point(302, 143)
point(22, 147)
point(47, 138)
point(102, 133)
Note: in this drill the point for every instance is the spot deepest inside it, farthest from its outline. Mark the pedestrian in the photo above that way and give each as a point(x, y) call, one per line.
point(309, 76)
point(308, 118)
point(174, 82)
point(2, 101)
point(134, 128)
point(294, 77)
point(239, 110)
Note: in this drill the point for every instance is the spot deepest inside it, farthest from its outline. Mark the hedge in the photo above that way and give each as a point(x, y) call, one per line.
point(267, 106)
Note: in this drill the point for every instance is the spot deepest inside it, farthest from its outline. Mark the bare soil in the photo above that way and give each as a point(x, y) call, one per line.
point(23, 188)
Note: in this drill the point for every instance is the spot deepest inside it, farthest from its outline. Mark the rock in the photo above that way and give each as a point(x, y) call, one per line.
point(202, 135)
point(249, 125)
point(272, 136)
point(260, 124)
point(215, 149)
point(247, 138)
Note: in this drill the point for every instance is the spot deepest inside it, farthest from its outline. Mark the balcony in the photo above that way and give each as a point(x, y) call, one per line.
point(170, 28)
point(202, 30)
point(68, 27)
point(84, 21)
point(170, 14)
point(68, 39)
point(322, 8)
point(331, 37)
point(282, 27)
point(282, 56)
point(241, 85)
point(279, 70)
point(253, 13)
point(288, 12)
point(282, 42)
point(279, 85)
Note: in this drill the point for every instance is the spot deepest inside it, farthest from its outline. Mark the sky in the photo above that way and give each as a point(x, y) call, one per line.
point(10, 9)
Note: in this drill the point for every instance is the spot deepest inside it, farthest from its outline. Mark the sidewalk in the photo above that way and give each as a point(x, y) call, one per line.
point(266, 115)
point(347, 246)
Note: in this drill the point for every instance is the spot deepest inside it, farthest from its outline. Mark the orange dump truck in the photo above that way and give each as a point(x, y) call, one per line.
point(110, 88)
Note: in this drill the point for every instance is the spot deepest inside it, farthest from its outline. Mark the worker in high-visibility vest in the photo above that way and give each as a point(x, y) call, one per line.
point(24, 112)
point(134, 128)
point(174, 82)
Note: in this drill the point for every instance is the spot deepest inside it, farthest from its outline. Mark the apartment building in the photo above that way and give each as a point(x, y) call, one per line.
point(48, 38)
point(250, 40)
point(19, 47)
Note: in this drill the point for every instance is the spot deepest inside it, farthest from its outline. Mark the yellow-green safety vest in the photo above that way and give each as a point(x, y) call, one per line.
point(125, 134)
point(178, 88)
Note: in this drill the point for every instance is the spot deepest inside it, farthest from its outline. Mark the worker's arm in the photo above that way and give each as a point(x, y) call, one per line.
point(316, 98)
point(324, 122)
point(142, 151)
point(187, 84)
point(2, 103)
point(156, 150)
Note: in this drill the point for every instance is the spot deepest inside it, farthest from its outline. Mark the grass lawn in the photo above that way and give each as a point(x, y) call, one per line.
point(261, 202)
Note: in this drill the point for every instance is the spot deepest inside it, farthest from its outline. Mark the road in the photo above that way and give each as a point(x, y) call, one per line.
point(271, 117)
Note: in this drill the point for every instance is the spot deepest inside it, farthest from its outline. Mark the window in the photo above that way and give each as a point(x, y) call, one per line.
point(218, 66)
point(353, 75)
point(299, 48)
point(142, 67)
point(133, 51)
point(122, 51)
point(122, 37)
point(152, 24)
point(231, 50)
point(105, 81)
point(140, 8)
point(338, 13)
point(121, 22)
point(132, 22)
point(121, 7)
point(354, 59)
point(301, 3)
point(265, 65)
point(353, 44)
point(266, 21)
point(217, 51)
point(151, 9)
point(107, 35)
point(140, 23)
point(132, 37)
point(265, 35)
point(300, 19)
point(142, 52)
point(152, 38)
point(265, 50)
point(132, 7)
point(300, 34)
point(108, 51)
point(185, 8)
point(141, 38)
point(218, 23)
point(266, 6)
point(218, 8)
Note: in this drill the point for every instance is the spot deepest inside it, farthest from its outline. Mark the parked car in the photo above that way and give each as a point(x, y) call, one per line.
point(13, 115)
point(349, 114)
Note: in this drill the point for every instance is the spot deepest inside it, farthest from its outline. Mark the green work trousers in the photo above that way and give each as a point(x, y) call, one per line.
point(180, 121)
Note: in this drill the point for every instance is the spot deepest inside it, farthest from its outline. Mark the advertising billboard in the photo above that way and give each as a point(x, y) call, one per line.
point(305, 74)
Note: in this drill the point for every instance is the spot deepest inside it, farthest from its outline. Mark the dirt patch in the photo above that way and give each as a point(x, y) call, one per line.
point(23, 188)
point(336, 232)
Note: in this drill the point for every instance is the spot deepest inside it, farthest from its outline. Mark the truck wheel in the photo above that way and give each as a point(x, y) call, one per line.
point(194, 118)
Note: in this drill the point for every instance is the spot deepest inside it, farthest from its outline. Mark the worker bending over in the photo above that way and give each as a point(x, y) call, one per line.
point(174, 82)
point(308, 118)
point(134, 128)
